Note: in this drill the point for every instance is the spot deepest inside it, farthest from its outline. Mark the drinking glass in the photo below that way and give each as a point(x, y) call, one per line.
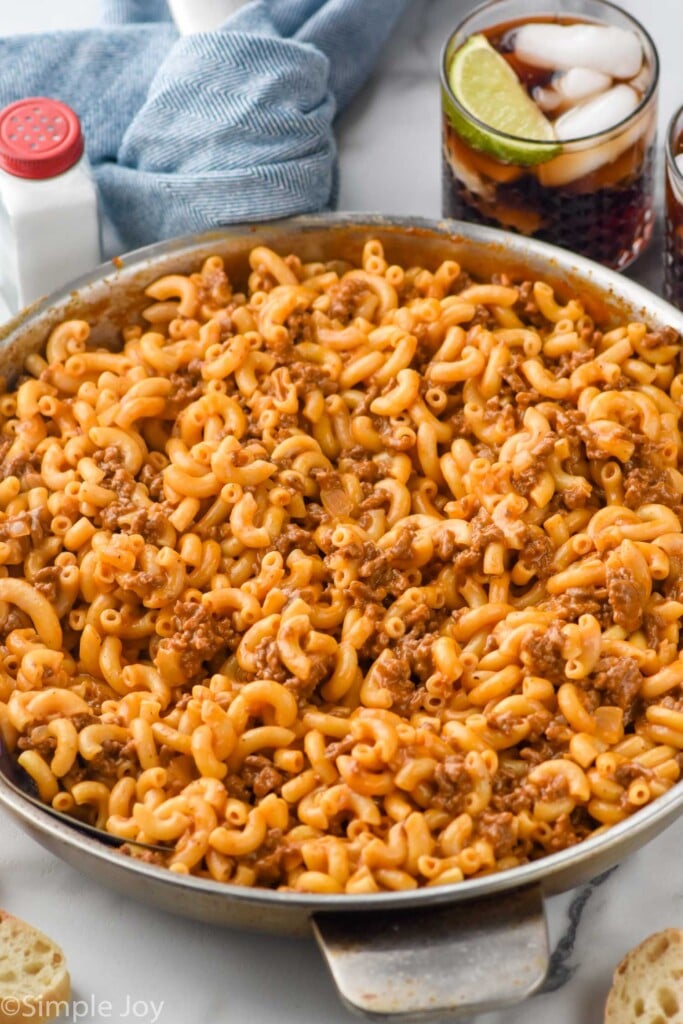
point(592, 193)
point(673, 251)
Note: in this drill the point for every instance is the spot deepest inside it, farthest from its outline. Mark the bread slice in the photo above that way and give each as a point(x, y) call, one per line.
point(647, 987)
point(34, 981)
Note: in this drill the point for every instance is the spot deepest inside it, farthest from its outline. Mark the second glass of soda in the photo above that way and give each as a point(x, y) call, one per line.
point(549, 124)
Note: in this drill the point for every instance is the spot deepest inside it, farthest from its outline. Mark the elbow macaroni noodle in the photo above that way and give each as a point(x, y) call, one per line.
point(362, 579)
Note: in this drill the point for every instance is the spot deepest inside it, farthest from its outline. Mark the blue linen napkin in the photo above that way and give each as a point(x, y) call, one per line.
point(188, 133)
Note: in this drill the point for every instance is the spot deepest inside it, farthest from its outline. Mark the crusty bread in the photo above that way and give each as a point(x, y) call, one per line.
point(34, 980)
point(647, 987)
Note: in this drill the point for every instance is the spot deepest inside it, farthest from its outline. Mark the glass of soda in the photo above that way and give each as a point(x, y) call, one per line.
point(549, 124)
point(673, 253)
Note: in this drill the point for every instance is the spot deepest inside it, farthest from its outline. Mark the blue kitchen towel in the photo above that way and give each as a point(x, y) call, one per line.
point(188, 133)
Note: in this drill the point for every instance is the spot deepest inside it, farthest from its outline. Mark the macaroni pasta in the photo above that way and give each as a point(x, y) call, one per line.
point(363, 578)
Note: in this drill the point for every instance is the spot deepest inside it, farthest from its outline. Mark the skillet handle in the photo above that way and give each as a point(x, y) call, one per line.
point(456, 959)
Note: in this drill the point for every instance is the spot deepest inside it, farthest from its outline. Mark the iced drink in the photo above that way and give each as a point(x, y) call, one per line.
point(673, 259)
point(549, 125)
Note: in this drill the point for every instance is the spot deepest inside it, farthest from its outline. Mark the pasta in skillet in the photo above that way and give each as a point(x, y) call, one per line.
point(362, 579)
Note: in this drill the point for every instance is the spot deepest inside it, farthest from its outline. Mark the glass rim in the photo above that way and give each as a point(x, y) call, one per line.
point(669, 146)
point(540, 144)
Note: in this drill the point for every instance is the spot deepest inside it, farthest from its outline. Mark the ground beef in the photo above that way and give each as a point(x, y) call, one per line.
point(566, 832)
point(376, 570)
point(261, 776)
point(153, 480)
point(484, 530)
point(571, 361)
point(215, 289)
point(46, 581)
point(661, 336)
point(186, 387)
point(150, 523)
point(268, 664)
point(14, 619)
point(537, 553)
point(26, 466)
point(393, 675)
point(625, 598)
point(627, 773)
point(497, 828)
point(344, 298)
point(39, 740)
point(512, 376)
point(552, 787)
point(525, 480)
point(464, 562)
point(267, 861)
point(198, 636)
point(141, 582)
point(417, 649)
point(646, 484)
point(81, 721)
point(453, 783)
point(508, 794)
point(356, 461)
point(483, 316)
point(293, 537)
point(305, 374)
point(569, 423)
point(116, 477)
point(619, 679)
point(526, 307)
point(298, 324)
point(577, 601)
point(542, 653)
point(558, 734)
point(322, 667)
point(113, 516)
point(339, 747)
point(115, 760)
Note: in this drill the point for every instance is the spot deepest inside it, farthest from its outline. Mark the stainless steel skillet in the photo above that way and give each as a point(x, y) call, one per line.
point(458, 949)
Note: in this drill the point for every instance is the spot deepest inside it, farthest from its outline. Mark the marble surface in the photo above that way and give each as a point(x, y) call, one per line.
point(131, 963)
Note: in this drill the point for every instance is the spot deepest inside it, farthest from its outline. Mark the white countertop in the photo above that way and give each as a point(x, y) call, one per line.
point(132, 963)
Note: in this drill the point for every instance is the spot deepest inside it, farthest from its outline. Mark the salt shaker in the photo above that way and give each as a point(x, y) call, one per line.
point(202, 15)
point(49, 223)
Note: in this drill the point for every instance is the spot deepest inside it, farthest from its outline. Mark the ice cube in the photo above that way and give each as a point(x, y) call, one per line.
point(570, 167)
point(569, 88)
point(454, 152)
point(606, 48)
point(674, 182)
point(642, 80)
point(548, 99)
point(598, 114)
point(579, 83)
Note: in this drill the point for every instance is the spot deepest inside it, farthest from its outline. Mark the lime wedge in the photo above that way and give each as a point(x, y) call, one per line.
point(485, 86)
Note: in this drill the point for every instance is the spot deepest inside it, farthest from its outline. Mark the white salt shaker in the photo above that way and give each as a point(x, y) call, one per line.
point(202, 15)
point(49, 222)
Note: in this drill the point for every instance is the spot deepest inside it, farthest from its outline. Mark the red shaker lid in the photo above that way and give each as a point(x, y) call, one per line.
point(39, 138)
